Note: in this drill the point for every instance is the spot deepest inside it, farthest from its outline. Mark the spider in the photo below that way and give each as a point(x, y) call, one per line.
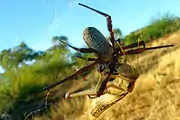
point(109, 64)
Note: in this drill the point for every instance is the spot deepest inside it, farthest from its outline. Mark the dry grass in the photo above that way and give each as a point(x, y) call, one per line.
point(156, 95)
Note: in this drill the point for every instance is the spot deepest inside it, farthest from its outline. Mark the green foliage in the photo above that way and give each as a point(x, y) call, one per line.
point(20, 86)
point(158, 28)
point(117, 34)
point(12, 58)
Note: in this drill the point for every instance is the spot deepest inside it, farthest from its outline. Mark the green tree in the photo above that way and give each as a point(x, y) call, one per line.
point(20, 84)
point(17, 56)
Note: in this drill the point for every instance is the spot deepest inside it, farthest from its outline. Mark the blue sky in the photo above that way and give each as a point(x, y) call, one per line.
point(36, 21)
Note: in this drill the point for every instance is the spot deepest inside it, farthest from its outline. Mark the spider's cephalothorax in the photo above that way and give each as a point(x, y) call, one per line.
point(112, 70)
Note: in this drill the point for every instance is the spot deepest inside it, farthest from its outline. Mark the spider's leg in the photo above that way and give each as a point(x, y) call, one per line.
point(82, 50)
point(140, 50)
point(87, 59)
point(82, 70)
point(101, 85)
point(109, 22)
point(135, 45)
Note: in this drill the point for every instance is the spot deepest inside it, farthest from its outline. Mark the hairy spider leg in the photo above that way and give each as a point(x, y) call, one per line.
point(135, 45)
point(81, 71)
point(82, 50)
point(109, 23)
point(140, 50)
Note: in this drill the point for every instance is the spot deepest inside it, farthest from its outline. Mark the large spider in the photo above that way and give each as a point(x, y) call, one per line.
point(107, 62)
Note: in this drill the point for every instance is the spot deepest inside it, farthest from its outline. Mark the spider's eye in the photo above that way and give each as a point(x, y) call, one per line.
point(101, 67)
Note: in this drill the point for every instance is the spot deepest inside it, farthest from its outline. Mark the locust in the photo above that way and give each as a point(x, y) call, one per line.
point(114, 71)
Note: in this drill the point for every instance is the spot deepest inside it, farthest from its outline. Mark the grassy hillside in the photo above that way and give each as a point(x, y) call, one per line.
point(157, 29)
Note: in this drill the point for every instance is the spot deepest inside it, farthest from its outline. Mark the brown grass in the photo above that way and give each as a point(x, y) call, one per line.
point(155, 97)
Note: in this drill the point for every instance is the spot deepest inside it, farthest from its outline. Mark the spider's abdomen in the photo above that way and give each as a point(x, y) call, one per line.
point(96, 40)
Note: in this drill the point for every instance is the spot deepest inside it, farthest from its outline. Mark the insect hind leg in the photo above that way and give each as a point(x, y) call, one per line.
point(88, 92)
